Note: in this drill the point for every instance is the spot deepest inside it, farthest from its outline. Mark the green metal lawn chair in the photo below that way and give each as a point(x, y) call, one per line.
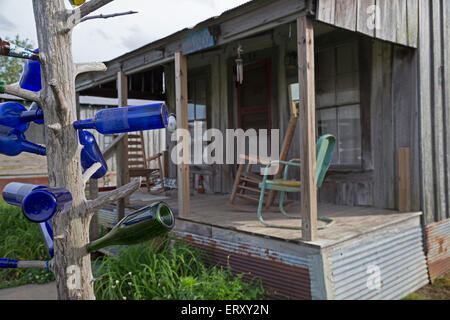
point(324, 153)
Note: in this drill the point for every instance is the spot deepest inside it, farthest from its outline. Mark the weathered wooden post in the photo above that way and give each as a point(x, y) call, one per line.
point(122, 152)
point(182, 123)
point(305, 37)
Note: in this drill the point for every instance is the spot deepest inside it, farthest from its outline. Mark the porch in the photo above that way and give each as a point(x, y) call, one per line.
point(362, 243)
point(214, 210)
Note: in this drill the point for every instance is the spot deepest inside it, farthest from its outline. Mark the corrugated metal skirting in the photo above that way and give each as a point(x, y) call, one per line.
point(284, 276)
point(399, 261)
point(438, 256)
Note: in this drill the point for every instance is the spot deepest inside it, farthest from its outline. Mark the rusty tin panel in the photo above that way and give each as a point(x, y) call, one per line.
point(284, 276)
point(438, 255)
point(385, 269)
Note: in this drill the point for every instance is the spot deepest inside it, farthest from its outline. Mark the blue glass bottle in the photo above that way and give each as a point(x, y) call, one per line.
point(91, 154)
point(36, 108)
point(8, 264)
point(31, 75)
point(128, 119)
point(13, 142)
point(15, 115)
point(39, 203)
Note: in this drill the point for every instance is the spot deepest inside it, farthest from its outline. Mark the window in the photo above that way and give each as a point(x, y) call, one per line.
point(197, 99)
point(338, 101)
point(198, 102)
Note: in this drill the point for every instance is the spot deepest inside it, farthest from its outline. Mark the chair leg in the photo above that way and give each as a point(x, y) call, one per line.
point(236, 183)
point(269, 225)
point(282, 196)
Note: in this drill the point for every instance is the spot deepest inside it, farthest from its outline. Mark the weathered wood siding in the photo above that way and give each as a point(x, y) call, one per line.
point(389, 121)
point(397, 20)
point(434, 98)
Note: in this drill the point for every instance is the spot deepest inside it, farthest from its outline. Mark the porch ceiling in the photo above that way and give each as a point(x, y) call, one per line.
point(249, 19)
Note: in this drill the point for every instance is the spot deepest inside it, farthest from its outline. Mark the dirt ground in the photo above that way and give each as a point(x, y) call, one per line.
point(439, 290)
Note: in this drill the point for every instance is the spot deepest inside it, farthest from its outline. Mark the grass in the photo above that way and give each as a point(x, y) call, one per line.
point(20, 240)
point(160, 269)
point(439, 290)
point(166, 270)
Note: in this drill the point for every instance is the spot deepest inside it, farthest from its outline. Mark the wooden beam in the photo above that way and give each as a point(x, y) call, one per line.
point(404, 180)
point(181, 93)
point(305, 37)
point(122, 149)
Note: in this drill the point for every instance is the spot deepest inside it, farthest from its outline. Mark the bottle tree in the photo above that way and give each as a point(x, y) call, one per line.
point(55, 23)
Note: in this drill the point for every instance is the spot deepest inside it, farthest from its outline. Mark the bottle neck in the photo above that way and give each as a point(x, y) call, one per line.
point(33, 148)
point(32, 115)
point(84, 124)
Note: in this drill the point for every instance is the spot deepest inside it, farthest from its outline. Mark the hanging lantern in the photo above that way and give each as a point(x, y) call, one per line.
point(239, 66)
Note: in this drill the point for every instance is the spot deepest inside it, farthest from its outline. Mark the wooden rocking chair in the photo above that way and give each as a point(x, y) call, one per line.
point(246, 184)
point(138, 164)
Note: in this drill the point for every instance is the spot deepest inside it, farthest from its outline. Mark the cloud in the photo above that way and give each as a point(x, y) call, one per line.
point(5, 24)
point(103, 40)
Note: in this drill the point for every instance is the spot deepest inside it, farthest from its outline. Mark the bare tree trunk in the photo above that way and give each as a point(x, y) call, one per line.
point(72, 266)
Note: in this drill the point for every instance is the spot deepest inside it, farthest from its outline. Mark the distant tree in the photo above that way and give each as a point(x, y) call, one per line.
point(11, 69)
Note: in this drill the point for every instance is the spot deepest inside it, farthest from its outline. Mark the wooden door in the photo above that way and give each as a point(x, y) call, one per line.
point(255, 97)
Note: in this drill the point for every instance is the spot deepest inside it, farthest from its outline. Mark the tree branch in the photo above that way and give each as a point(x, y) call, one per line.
point(113, 196)
point(91, 6)
point(35, 265)
point(89, 67)
point(21, 93)
point(106, 16)
point(90, 172)
point(59, 97)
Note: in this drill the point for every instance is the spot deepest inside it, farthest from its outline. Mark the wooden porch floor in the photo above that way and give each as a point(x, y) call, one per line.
point(214, 210)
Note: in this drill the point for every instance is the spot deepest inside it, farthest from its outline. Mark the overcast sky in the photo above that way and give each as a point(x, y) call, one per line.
point(103, 40)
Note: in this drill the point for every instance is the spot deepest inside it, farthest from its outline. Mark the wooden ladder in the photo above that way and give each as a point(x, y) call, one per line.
point(137, 161)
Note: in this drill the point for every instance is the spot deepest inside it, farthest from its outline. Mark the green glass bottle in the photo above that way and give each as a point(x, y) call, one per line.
point(140, 226)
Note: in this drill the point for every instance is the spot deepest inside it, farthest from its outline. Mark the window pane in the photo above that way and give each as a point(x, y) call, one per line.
point(191, 111)
point(200, 91)
point(347, 88)
point(326, 92)
point(349, 140)
point(327, 124)
point(347, 59)
point(325, 66)
point(200, 111)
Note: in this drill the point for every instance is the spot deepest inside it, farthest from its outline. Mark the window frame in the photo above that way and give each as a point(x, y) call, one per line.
point(294, 80)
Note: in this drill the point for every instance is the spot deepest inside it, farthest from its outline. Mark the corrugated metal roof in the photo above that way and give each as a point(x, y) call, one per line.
point(401, 262)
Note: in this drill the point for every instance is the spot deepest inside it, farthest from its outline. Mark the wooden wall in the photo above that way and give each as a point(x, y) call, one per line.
point(398, 19)
point(389, 114)
point(434, 98)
